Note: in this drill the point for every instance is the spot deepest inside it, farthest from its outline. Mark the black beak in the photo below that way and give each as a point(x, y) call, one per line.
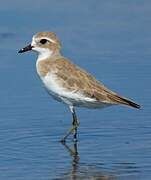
point(27, 48)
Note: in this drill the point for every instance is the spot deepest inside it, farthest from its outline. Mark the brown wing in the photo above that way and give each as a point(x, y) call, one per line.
point(78, 80)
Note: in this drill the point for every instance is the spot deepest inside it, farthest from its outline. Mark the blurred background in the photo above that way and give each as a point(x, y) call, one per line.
point(110, 39)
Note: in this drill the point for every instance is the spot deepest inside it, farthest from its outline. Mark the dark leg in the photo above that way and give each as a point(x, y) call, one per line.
point(74, 127)
point(75, 124)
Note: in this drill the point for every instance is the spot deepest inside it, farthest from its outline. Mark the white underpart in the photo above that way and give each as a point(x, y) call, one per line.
point(72, 98)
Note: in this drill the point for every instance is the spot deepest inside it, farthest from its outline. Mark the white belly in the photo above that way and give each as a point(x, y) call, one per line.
point(74, 98)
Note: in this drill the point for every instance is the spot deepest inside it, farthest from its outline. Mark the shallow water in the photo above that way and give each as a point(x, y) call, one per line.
point(109, 39)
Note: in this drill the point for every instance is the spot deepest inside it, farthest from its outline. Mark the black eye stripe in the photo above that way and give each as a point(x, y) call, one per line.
point(43, 41)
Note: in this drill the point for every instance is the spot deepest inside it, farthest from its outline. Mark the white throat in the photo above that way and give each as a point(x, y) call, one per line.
point(44, 54)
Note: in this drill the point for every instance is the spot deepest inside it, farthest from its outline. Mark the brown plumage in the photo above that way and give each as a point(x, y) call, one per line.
point(75, 79)
point(69, 83)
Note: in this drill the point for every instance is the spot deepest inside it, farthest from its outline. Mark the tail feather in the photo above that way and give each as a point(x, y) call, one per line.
point(123, 100)
point(130, 103)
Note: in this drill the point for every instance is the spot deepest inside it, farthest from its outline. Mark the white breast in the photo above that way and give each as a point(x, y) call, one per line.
point(60, 93)
point(51, 84)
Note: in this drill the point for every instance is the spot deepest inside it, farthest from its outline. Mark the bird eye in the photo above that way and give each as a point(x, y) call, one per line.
point(43, 41)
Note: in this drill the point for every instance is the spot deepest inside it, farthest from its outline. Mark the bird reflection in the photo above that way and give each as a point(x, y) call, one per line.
point(80, 172)
point(74, 154)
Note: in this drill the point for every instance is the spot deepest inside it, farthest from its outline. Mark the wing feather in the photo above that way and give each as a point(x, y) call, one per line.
point(78, 80)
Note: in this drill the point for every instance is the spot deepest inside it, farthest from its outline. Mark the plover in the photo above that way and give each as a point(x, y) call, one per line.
point(67, 82)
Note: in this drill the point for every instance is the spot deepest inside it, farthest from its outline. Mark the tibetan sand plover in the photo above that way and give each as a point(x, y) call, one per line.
point(67, 82)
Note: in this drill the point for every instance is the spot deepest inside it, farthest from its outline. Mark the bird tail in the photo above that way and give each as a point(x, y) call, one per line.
point(122, 100)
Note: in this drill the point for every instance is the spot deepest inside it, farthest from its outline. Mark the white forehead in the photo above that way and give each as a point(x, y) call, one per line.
point(37, 39)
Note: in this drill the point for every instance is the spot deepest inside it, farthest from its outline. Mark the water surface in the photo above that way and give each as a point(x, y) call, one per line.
point(111, 40)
